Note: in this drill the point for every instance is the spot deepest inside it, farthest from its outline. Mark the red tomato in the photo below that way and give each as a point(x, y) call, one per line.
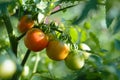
point(35, 40)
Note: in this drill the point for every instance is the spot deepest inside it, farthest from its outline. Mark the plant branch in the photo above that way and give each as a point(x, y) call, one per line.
point(36, 63)
point(25, 57)
point(57, 30)
point(12, 38)
point(18, 38)
point(63, 9)
point(18, 73)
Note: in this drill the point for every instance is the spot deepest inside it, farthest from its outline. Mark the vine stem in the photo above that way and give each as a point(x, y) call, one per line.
point(21, 36)
point(62, 9)
point(35, 66)
point(9, 28)
point(25, 57)
point(18, 73)
point(36, 63)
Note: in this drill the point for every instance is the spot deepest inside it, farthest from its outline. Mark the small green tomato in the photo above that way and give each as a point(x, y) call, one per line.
point(74, 61)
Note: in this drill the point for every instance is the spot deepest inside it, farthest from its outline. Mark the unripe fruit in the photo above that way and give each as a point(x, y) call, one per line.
point(74, 61)
point(35, 40)
point(7, 67)
point(25, 23)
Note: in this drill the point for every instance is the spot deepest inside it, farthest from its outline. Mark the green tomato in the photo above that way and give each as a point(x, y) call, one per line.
point(74, 61)
point(7, 67)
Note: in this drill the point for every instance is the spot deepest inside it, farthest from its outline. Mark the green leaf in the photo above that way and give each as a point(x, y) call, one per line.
point(117, 26)
point(96, 60)
point(112, 11)
point(109, 19)
point(117, 44)
point(83, 36)
point(90, 5)
point(5, 1)
point(108, 7)
point(73, 34)
point(94, 38)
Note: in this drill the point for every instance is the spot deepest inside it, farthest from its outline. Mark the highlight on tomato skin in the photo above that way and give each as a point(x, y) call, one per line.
point(57, 50)
point(35, 40)
point(25, 23)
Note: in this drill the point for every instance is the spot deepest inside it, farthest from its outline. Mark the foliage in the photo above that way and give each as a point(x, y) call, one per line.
point(95, 23)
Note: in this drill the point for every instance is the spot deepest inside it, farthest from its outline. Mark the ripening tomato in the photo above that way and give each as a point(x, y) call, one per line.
point(74, 61)
point(35, 40)
point(25, 23)
point(57, 50)
point(7, 67)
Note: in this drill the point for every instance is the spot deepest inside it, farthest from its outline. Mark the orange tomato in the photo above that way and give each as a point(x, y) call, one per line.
point(25, 23)
point(35, 40)
point(57, 50)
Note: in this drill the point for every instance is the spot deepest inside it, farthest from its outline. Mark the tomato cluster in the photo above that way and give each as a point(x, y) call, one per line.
point(36, 39)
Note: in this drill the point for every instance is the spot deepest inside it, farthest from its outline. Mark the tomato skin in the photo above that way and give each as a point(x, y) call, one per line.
point(35, 40)
point(7, 67)
point(25, 23)
point(74, 61)
point(57, 50)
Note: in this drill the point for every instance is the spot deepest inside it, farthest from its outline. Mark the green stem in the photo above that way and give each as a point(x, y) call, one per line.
point(18, 38)
point(57, 30)
point(62, 9)
point(18, 73)
point(12, 38)
point(25, 57)
point(36, 63)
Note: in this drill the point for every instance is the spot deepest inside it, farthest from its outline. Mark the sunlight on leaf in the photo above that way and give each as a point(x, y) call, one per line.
point(74, 34)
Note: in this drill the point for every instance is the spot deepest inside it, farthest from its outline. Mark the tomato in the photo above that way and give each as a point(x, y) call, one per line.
point(7, 67)
point(74, 61)
point(57, 50)
point(35, 40)
point(25, 23)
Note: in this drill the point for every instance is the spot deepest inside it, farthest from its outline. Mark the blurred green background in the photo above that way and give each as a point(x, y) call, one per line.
point(98, 28)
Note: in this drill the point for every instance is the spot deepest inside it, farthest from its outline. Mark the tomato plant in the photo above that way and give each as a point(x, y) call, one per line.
point(35, 40)
point(57, 50)
point(73, 39)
